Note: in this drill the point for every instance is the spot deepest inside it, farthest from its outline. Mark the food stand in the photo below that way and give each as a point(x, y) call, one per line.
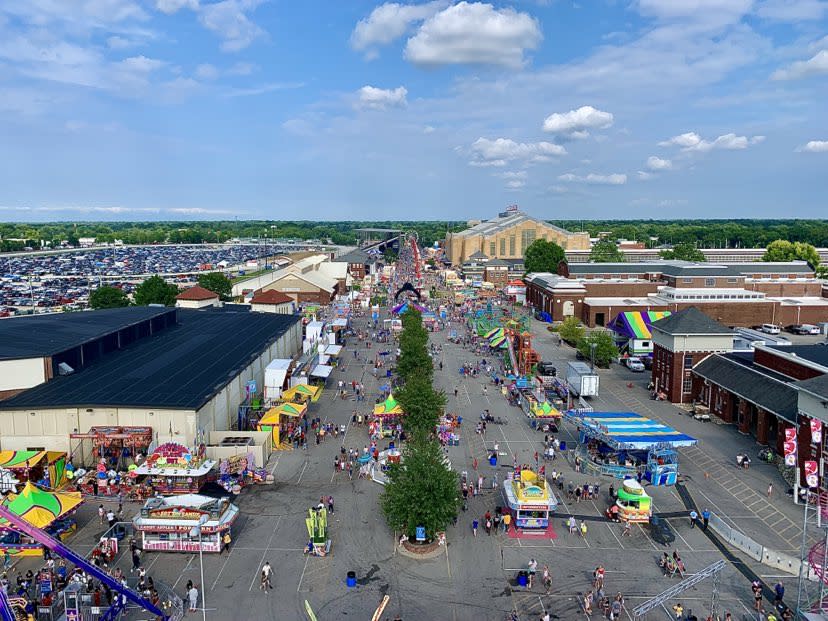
point(281, 420)
point(49, 510)
point(118, 446)
point(622, 444)
point(174, 469)
point(634, 505)
point(166, 523)
point(530, 499)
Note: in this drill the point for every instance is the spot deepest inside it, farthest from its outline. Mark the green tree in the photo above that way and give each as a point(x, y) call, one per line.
point(414, 360)
point(108, 297)
point(155, 290)
point(421, 491)
point(783, 250)
point(422, 405)
point(605, 251)
point(217, 283)
point(605, 349)
point(543, 256)
point(684, 251)
point(571, 330)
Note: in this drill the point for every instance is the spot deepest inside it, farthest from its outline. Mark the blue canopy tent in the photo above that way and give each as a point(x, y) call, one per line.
point(631, 434)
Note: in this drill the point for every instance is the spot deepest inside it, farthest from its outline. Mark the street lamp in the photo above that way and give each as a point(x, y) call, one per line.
point(196, 531)
point(592, 347)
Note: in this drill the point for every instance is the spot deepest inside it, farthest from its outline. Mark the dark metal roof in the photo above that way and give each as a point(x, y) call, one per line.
point(181, 367)
point(815, 385)
point(354, 256)
point(690, 321)
point(818, 354)
point(45, 335)
point(497, 263)
point(478, 255)
point(770, 394)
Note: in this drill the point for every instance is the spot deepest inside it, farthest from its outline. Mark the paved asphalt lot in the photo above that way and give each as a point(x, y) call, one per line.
point(474, 579)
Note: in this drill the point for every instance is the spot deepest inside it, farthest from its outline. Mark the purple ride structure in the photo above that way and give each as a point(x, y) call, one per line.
point(57, 547)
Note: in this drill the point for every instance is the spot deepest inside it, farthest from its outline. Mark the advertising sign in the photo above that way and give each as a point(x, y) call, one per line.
point(790, 446)
point(816, 431)
point(811, 474)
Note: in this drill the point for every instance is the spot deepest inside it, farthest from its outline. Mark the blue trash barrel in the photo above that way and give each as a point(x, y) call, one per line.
point(523, 578)
point(351, 579)
point(492, 460)
point(563, 446)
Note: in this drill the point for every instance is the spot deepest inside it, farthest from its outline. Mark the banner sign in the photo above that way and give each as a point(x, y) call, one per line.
point(816, 431)
point(811, 474)
point(790, 446)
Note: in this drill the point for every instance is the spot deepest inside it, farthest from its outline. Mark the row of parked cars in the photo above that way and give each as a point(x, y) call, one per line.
point(797, 328)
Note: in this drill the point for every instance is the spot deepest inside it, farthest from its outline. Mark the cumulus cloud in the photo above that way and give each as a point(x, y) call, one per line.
point(501, 151)
point(643, 175)
point(816, 65)
point(474, 33)
point(389, 22)
point(595, 179)
point(229, 20)
point(814, 146)
point(792, 10)
point(577, 123)
point(515, 179)
point(656, 163)
point(173, 6)
point(206, 71)
point(374, 98)
point(718, 11)
point(691, 141)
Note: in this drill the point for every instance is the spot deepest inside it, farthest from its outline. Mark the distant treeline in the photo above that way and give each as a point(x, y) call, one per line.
point(706, 233)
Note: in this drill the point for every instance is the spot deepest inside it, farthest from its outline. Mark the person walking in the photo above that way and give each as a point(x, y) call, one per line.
point(705, 518)
point(679, 610)
point(571, 524)
point(770, 490)
point(110, 518)
point(779, 593)
point(547, 579)
point(507, 519)
point(225, 541)
point(267, 572)
point(583, 530)
point(693, 517)
point(330, 505)
point(756, 587)
point(101, 514)
point(474, 527)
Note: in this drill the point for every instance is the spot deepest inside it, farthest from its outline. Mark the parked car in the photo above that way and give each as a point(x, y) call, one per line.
point(635, 364)
point(770, 328)
point(648, 362)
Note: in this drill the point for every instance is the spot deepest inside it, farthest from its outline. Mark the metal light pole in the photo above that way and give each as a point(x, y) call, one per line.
point(196, 530)
point(592, 347)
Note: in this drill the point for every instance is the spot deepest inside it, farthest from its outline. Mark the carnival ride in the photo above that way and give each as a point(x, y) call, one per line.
point(634, 504)
point(57, 547)
point(509, 333)
point(812, 596)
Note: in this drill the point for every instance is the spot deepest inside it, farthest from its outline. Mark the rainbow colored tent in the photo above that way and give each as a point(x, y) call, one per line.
point(636, 324)
point(493, 333)
point(501, 342)
point(40, 507)
point(19, 460)
point(388, 407)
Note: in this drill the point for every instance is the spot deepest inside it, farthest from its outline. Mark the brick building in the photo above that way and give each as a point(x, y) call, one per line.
point(743, 294)
point(496, 271)
point(681, 341)
point(196, 297)
point(359, 263)
point(760, 392)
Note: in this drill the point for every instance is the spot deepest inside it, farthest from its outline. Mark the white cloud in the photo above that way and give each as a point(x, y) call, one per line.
point(389, 22)
point(173, 6)
point(709, 11)
point(815, 146)
point(515, 184)
point(428, 129)
point(656, 163)
point(576, 123)
point(816, 65)
point(229, 20)
point(501, 151)
point(595, 179)
point(691, 141)
point(645, 176)
point(263, 89)
point(206, 71)
point(141, 64)
point(118, 43)
point(474, 33)
point(374, 98)
point(792, 10)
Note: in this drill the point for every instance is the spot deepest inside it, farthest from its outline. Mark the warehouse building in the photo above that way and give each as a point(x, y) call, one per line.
point(181, 372)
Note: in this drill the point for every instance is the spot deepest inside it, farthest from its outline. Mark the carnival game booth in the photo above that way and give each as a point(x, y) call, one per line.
point(46, 468)
point(530, 500)
point(633, 503)
point(544, 411)
point(45, 509)
point(301, 393)
point(117, 446)
point(281, 421)
point(166, 523)
point(622, 444)
point(386, 417)
point(173, 469)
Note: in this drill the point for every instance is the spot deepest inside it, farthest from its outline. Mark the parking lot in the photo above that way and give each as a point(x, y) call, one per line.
point(475, 576)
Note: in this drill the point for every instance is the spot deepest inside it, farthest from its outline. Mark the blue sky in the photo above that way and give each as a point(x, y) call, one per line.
point(349, 109)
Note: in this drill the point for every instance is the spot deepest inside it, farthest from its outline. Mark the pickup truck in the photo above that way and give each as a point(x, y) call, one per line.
point(635, 364)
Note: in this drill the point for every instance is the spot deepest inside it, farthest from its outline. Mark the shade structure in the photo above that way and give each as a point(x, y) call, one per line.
point(20, 459)
point(322, 370)
point(302, 391)
point(388, 407)
point(292, 409)
point(41, 507)
point(544, 409)
point(628, 430)
point(493, 333)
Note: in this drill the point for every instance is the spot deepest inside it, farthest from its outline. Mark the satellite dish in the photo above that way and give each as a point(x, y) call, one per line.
point(65, 369)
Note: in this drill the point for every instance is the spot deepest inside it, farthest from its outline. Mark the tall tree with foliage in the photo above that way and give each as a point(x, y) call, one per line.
point(422, 405)
point(605, 251)
point(684, 251)
point(543, 256)
point(571, 330)
point(605, 349)
point(783, 250)
point(217, 283)
point(108, 297)
point(414, 359)
point(155, 290)
point(421, 491)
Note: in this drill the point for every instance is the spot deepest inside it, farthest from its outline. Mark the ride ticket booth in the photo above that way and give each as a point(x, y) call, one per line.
point(530, 499)
point(165, 523)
